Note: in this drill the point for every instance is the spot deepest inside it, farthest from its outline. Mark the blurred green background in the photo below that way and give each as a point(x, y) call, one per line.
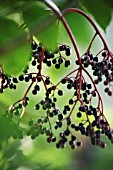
point(28, 154)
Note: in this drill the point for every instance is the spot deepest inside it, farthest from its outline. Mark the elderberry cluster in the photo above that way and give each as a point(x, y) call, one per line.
point(6, 82)
point(102, 70)
point(58, 122)
point(50, 57)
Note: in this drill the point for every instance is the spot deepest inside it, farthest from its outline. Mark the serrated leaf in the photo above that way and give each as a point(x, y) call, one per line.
point(101, 11)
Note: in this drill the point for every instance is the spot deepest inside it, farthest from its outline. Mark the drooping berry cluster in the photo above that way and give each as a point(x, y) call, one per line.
point(102, 69)
point(61, 122)
point(5, 81)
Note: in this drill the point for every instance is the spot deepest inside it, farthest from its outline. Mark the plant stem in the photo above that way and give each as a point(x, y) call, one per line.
point(90, 20)
point(62, 19)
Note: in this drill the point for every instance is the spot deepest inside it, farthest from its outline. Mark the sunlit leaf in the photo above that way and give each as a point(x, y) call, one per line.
point(49, 36)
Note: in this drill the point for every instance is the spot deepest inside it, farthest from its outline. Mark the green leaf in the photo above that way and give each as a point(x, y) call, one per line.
point(41, 24)
point(101, 11)
point(49, 36)
point(9, 30)
point(35, 14)
point(14, 61)
point(5, 127)
point(14, 52)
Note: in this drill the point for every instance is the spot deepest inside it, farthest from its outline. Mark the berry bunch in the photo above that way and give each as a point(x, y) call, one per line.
point(91, 121)
point(102, 69)
point(5, 81)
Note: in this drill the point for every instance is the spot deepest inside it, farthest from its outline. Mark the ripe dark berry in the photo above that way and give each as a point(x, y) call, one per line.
point(34, 63)
point(39, 79)
point(104, 54)
point(67, 132)
point(69, 86)
point(27, 79)
point(39, 48)
point(62, 48)
point(89, 112)
point(34, 92)
point(37, 107)
point(14, 86)
point(51, 55)
point(73, 146)
point(15, 80)
point(63, 81)
point(64, 112)
point(54, 99)
point(33, 45)
point(37, 87)
point(86, 65)
point(106, 83)
point(106, 90)
point(68, 51)
point(109, 93)
point(57, 66)
point(85, 95)
point(57, 145)
point(49, 139)
point(21, 78)
point(60, 117)
point(67, 63)
point(47, 81)
point(72, 126)
point(73, 138)
point(48, 63)
point(89, 86)
point(77, 62)
point(60, 92)
point(71, 101)
point(95, 59)
point(11, 86)
point(84, 86)
point(54, 61)
point(78, 143)
point(53, 139)
point(94, 94)
point(79, 115)
point(66, 107)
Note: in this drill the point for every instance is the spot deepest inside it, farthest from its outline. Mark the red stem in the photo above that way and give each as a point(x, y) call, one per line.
point(90, 20)
point(62, 19)
point(92, 42)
